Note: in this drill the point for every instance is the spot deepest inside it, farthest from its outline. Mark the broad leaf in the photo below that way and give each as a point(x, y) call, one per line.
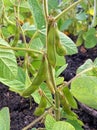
point(60, 70)
point(61, 125)
point(20, 83)
point(75, 124)
point(90, 38)
point(68, 43)
point(84, 89)
point(28, 27)
point(53, 4)
point(87, 65)
point(69, 97)
point(37, 13)
point(60, 60)
point(88, 68)
point(8, 64)
point(49, 122)
point(36, 44)
point(4, 119)
point(59, 80)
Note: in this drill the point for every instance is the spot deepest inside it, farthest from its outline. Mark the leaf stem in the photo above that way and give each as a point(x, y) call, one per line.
point(95, 14)
point(67, 9)
point(69, 82)
point(48, 100)
point(35, 121)
point(21, 49)
point(45, 4)
point(56, 95)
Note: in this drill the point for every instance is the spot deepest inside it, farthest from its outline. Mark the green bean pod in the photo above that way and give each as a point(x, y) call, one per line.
point(41, 108)
point(65, 104)
point(60, 49)
point(50, 78)
point(69, 97)
point(51, 50)
point(38, 79)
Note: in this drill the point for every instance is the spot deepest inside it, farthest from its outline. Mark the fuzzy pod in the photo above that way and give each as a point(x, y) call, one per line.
point(60, 49)
point(37, 80)
point(50, 78)
point(51, 50)
point(41, 108)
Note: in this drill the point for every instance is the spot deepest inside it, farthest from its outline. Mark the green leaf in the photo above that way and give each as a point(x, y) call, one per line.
point(28, 27)
point(61, 125)
point(81, 16)
point(66, 24)
point(17, 84)
point(69, 97)
point(90, 38)
point(39, 111)
point(1, 9)
point(88, 68)
point(68, 43)
point(37, 13)
point(49, 122)
point(4, 119)
point(8, 64)
point(95, 62)
point(84, 89)
point(75, 124)
point(33, 129)
point(59, 80)
point(87, 65)
point(36, 44)
point(60, 60)
point(47, 92)
point(53, 4)
point(60, 70)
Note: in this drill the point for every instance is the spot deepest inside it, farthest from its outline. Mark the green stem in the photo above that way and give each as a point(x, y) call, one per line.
point(57, 104)
point(49, 100)
point(34, 35)
point(21, 49)
point(95, 14)
point(69, 82)
point(45, 3)
point(67, 9)
point(56, 95)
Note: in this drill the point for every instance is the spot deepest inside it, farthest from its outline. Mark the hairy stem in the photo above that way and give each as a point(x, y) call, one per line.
point(21, 49)
point(45, 4)
point(35, 121)
point(95, 14)
point(67, 9)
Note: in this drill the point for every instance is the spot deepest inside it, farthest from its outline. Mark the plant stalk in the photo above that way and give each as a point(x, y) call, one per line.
point(21, 49)
point(69, 82)
point(67, 9)
point(93, 24)
point(56, 95)
point(57, 104)
point(35, 121)
point(45, 4)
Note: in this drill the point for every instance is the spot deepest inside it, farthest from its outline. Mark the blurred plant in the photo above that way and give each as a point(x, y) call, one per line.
point(32, 51)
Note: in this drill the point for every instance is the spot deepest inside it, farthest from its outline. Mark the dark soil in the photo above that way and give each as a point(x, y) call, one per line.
point(20, 112)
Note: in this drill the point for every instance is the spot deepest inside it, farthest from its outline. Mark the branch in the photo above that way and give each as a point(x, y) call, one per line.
point(21, 49)
point(88, 110)
point(67, 9)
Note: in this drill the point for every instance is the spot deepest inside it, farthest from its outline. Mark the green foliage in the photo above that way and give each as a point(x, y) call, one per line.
point(52, 124)
point(4, 119)
point(8, 64)
point(37, 13)
point(33, 42)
